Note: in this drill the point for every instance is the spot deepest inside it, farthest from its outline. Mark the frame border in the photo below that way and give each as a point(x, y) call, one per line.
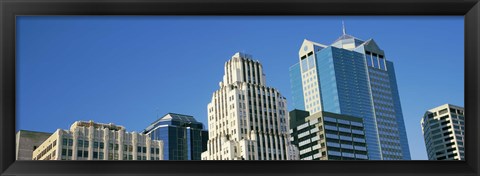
point(9, 9)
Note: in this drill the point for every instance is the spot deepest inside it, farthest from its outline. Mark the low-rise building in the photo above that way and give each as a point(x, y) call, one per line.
point(328, 136)
point(184, 137)
point(27, 142)
point(98, 141)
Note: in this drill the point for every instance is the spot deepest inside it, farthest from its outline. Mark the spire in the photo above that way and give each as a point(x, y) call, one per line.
point(343, 28)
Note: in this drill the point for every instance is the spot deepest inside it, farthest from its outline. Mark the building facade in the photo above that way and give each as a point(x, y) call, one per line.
point(247, 120)
point(27, 142)
point(443, 129)
point(184, 138)
point(353, 77)
point(98, 141)
point(328, 136)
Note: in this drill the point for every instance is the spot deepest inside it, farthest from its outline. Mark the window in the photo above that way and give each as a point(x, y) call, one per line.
point(375, 61)
point(95, 155)
point(70, 142)
point(64, 141)
point(139, 149)
point(110, 146)
point(382, 63)
point(80, 143)
point(70, 152)
point(85, 154)
point(443, 111)
point(95, 144)
point(64, 152)
point(85, 144)
point(116, 146)
point(101, 145)
point(100, 155)
point(369, 59)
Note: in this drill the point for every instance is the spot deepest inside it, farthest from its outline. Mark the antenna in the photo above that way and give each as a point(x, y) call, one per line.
point(343, 28)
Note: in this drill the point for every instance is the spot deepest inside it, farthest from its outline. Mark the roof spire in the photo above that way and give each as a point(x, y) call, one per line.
point(343, 28)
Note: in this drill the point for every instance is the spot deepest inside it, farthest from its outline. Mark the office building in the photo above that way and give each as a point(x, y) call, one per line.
point(328, 136)
point(247, 120)
point(98, 141)
point(27, 142)
point(184, 138)
point(353, 77)
point(443, 129)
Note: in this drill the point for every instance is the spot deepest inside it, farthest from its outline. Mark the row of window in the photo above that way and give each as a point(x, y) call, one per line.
point(101, 145)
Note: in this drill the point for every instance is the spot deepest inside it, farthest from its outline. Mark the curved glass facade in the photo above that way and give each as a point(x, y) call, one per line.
point(184, 138)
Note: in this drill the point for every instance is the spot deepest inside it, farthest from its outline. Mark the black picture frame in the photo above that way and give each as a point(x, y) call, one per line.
point(9, 9)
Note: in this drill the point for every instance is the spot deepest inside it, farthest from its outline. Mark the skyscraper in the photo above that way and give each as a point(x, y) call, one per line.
point(353, 77)
point(247, 120)
point(443, 129)
point(184, 137)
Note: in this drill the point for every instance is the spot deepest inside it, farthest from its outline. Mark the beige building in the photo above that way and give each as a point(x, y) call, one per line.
point(27, 141)
point(443, 129)
point(98, 141)
point(247, 120)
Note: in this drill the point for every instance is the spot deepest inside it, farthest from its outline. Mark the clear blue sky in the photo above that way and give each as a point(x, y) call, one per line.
point(126, 70)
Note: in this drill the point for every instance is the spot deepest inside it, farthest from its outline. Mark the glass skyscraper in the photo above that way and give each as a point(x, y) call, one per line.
point(184, 137)
point(353, 77)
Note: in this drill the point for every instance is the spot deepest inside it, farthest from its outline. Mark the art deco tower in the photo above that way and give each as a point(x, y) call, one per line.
point(246, 119)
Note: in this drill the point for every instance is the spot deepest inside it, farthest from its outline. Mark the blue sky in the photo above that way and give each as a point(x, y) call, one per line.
point(131, 70)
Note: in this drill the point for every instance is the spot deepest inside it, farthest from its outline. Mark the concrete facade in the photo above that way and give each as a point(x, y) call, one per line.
point(27, 142)
point(328, 136)
point(443, 129)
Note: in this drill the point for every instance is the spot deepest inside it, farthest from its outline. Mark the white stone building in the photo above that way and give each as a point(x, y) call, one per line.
point(246, 119)
point(97, 141)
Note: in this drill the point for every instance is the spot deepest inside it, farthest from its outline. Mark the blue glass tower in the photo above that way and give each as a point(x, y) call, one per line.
point(353, 77)
point(184, 138)
point(296, 86)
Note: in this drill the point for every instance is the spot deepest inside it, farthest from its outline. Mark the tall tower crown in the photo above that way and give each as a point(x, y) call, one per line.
point(242, 68)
